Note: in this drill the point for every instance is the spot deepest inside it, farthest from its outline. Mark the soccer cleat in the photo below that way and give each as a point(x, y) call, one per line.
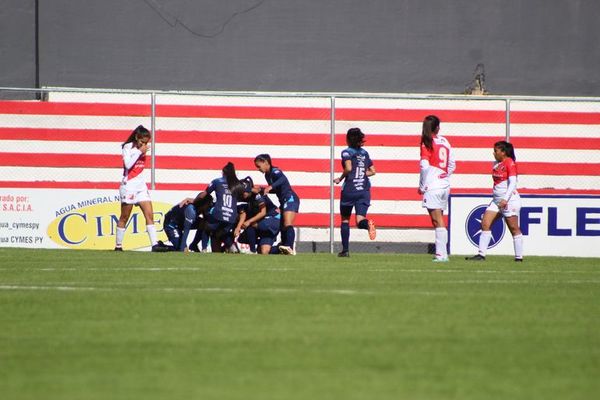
point(118, 249)
point(476, 257)
point(160, 247)
point(372, 230)
point(344, 253)
point(518, 260)
point(194, 247)
point(287, 250)
point(440, 259)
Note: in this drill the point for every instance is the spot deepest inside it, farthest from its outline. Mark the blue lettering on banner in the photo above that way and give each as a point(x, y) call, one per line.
point(525, 219)
point(583, 221)
point(553, 230)
point(61, 227)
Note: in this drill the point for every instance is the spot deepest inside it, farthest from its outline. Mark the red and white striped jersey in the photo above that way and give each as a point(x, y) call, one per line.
point(441, 165)
point(133, 167)
point(501, 171)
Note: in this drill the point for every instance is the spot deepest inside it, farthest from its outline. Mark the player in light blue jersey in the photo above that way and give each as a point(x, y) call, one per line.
point(356, 191)
point(289, 202)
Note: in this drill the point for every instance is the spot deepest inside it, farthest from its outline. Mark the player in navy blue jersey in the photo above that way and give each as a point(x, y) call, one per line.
point(180, 220)
point(289, 202)
point(223, 214)
point(259, 219)
point(356, 191)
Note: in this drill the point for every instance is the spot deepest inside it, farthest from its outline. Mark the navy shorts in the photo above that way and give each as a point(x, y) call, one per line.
point(292, 203)
point(214, 225)
point(268, 229)
point(357, 200)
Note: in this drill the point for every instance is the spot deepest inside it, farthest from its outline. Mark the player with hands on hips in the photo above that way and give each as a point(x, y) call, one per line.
point(356, 191)
point(133, 189)
point(506, 201)
point(436, 165)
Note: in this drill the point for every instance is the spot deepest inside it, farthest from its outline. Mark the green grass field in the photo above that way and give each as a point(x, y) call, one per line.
point(136, 325)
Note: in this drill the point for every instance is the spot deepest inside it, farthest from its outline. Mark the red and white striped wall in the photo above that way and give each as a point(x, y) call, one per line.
point(72, 140)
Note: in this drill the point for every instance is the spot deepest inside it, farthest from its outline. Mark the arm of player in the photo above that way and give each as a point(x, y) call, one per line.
point(130, 156)
point(347, 170)
point(262, 212)
point(424, 166)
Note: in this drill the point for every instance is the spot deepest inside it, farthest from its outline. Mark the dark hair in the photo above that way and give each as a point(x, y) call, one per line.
point(355, 138)
point(203, 204)
point(235, 186)
point(264, 157)
point(507, 148)
point(248, 184)
point(137, 134)
point(431, 124)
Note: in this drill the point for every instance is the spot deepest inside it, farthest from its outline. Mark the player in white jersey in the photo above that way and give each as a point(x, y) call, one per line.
point(133, 189)
point(437, 164)
point(506, 201)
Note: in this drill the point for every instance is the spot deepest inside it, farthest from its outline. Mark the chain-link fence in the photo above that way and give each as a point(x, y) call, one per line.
point(70, 139)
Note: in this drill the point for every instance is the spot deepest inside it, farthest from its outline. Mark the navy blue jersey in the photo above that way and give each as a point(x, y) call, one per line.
point(280, 185)
point(253, 206)
point(225, 207)
point(357, 180)
point(176, 217)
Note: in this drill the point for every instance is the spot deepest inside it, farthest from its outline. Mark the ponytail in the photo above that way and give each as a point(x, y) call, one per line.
point(431, 125)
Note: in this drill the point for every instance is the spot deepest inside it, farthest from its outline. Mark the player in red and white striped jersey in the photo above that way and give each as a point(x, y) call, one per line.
point(133, 189)
point(437, 164)
point(506, 201)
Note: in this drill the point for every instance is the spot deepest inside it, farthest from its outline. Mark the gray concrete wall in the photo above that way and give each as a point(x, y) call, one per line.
point(528, 47)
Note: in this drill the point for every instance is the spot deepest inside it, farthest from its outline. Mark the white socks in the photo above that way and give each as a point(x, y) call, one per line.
point(151, 229)
point(484, 241)
point(518, 242)
point(120, 235)
point(441, 242)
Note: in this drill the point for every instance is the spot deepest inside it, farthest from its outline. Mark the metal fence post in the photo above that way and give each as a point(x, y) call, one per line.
point(331, 176)
point(508, 120)
point(153, 130)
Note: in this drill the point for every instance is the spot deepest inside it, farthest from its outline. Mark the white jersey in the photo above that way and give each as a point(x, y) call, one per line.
point(133, 168)
point(437, 165)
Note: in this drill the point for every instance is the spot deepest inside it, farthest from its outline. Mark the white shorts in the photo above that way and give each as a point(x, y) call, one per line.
point(436, 199)
point(133, 196)
point(512, 208)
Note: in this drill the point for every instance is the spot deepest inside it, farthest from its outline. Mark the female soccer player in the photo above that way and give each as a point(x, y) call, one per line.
point(180, 220)
point(506, 201)
point(223, 215)
point(259, 219)
point(133, 189)
point(437, 164)
point(289, 203)
point(356, 191)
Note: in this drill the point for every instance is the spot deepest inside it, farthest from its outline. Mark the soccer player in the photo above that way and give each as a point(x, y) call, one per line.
point(289, 202)
point(133, 189)
point(222, 215)
point(436, 165)
point(180, 220)
point(506, 201)
point(356, 191)
point(259, 218)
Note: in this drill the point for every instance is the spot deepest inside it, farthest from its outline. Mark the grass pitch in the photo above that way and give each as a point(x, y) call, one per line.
point(135, 325)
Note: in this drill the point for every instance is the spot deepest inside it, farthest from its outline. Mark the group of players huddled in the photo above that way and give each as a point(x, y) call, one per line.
point(239, 213)
point(232, 210)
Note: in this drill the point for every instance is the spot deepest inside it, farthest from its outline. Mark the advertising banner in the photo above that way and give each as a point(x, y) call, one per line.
point(551, 226)
point(78, 219)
